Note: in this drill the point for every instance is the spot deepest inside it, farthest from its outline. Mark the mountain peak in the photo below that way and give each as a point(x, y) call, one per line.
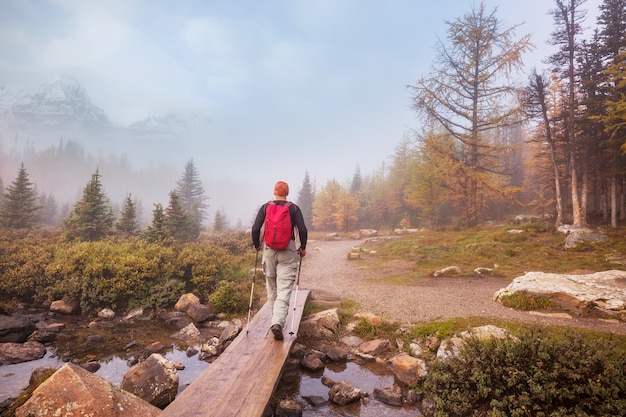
point(62, 103)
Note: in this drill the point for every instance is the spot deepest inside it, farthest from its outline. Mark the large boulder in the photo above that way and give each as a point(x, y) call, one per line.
point(343, 392)
point(576, 235)
point(21, 352)
point(322, 325)
point(65, 306)
point(602, 291)
point(154, 380)
point(185, 301)
point(408, 369)
point(15, 329)
point(189, 333)
point(199, 312)
point(73, 391)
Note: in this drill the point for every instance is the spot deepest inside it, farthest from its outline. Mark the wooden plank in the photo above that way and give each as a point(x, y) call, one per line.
point(242, 379)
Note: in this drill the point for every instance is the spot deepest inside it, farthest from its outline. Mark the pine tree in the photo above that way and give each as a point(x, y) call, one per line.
point(219, 222)
point(191, 194)
point(305, 200)
point(127, 223)
point(19, 208)
point(156, 231)
point(49, 211)
point(179, 223)
point(568, 20)
point(92, 217)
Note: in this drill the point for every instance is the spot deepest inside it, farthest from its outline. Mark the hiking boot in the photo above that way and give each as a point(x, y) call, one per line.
point(278, 331)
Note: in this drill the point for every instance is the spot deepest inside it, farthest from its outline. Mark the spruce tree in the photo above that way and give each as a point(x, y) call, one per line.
point(49, 210)
point(179, 223)
point(219, 222)
point(156, 231)
point(305, 200)
point(127, 223)
point(191, 194)
point(92, 217)
point(19, 208)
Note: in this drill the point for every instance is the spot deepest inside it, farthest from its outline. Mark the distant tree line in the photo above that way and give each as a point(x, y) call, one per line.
point(92, 217)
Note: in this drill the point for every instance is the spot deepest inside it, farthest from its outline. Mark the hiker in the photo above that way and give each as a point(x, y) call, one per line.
point(279, 219)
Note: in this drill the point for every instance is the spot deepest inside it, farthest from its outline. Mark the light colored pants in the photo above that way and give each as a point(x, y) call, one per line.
point(280, 267)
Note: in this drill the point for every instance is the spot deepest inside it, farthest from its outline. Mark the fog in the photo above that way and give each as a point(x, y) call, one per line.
point(61, 164)
point(253, 93)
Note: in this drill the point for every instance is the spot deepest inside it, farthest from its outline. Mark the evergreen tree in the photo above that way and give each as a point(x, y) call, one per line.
point(357, 182)
point(92, 217)
point(19, 208)
point(49, 215)
point(156, 231)
point(219, 222)
point(127, 223)
point(568, 21)
point(612, 22)
point(305, 200)
point(179, 223)
point(191, 194)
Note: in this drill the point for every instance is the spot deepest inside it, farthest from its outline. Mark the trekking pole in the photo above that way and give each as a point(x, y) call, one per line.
point(295, 300)
point(256, 262)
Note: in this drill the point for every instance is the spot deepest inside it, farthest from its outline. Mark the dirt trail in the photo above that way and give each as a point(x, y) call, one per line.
point(327, 271)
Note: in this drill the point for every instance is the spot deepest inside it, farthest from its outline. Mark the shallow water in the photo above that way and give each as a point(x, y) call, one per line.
point(14, 378)
point(125, 341)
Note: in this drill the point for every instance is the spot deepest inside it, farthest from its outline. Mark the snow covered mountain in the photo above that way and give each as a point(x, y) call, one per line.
point(173, 123)
point(62, 104)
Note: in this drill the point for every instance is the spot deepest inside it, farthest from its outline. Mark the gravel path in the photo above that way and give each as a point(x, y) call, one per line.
point(328, 273)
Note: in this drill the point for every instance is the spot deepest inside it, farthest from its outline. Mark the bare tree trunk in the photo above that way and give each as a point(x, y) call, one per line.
point(622, 205)
point(613, 201)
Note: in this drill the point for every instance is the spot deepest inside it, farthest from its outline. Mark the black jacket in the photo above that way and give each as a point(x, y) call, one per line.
point(296, 220)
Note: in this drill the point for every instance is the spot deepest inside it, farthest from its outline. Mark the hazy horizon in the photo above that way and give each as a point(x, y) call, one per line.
point(286, 87)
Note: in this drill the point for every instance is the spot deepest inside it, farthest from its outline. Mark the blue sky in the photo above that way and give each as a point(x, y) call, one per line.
point(288, 85)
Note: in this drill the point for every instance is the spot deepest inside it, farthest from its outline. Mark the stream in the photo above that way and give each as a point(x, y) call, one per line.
point(116, 346)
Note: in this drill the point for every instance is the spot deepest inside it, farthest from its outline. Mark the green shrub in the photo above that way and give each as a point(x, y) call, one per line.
point(228, 298)
point(537, 374)
point(525, 302)
point(38, 266)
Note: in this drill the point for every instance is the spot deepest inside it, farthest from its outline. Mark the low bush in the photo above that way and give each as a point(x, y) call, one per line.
point(40, 266)
point(229, 298)
point(535, 374)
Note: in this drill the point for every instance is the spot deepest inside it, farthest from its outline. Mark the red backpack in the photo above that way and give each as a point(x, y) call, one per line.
point(278, 228)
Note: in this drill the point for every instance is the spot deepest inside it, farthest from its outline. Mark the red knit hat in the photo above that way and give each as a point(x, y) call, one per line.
point(281, 189)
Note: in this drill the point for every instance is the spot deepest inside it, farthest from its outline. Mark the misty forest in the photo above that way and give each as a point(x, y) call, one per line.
point(489, 147)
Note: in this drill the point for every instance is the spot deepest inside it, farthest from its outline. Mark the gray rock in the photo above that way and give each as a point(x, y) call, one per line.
point(288, 408)
point(199, 312)
point(11, 353)
point(322, 325)
point(580, 235)
point(390, 395)
point(189, 333)
point(343, 393)
point(15, 329)
point(603, 291)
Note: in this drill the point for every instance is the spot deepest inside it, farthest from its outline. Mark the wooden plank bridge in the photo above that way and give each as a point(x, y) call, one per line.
point(242, 379)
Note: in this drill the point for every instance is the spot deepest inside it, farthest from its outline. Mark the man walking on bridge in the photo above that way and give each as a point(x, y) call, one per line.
point(281, 221)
